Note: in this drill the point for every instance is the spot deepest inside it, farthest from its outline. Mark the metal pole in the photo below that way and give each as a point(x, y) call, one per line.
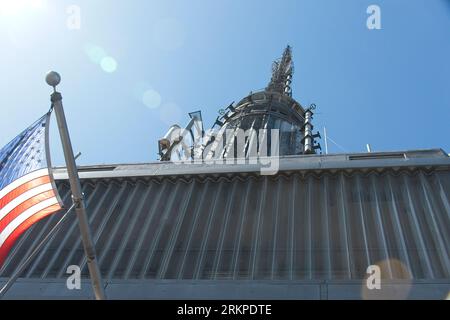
point(53, 80)
point(33, 254)
point(308, 133)
point(326, 139)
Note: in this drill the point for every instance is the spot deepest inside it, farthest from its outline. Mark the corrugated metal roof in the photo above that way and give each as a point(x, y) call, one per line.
point(300, 224)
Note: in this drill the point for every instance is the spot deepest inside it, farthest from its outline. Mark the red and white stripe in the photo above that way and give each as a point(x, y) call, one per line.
point(22, 203)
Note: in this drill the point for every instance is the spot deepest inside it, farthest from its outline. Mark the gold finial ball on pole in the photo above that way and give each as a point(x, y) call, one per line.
point(53, 78)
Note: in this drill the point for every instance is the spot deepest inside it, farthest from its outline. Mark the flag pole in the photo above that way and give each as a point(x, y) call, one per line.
point(53, 79)
point(34, 253)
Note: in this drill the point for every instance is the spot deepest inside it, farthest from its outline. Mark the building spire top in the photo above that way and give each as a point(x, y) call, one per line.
point(282, 72)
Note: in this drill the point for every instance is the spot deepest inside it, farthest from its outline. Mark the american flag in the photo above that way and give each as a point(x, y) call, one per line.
point(27, 189)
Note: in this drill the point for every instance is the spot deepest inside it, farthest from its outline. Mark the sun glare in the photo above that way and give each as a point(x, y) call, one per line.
point(13, 7)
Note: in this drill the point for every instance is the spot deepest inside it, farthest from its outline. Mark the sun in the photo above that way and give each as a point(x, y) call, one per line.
point(14, 7)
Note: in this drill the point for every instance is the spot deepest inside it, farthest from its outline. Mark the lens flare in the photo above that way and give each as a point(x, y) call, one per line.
point(13, 7)
point(151, 98)
point(95, 53)
point(109, 64)
point(395, 282)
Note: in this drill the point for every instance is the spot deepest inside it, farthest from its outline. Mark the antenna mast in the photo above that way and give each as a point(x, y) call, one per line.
point(282, 72)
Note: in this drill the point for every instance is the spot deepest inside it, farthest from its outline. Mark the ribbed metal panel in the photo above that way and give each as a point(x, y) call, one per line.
point(297, 225)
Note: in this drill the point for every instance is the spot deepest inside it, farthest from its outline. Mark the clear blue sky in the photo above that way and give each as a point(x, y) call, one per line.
point(388, 87)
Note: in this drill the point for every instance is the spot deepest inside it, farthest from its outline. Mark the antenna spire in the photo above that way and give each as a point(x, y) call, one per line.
point(282, 72)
